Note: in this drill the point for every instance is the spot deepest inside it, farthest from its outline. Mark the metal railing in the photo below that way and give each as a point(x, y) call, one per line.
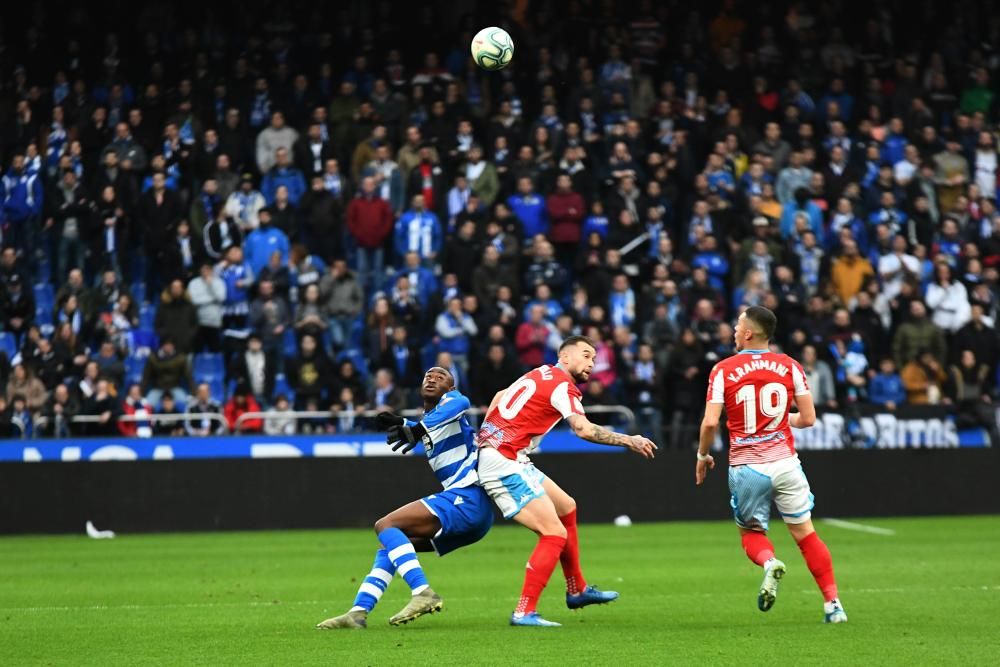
point(474, 414)
point(152, 418)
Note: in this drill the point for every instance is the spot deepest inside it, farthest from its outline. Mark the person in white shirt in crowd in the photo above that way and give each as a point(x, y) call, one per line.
point(896, 267)
point(948, 299)
point(208, 294)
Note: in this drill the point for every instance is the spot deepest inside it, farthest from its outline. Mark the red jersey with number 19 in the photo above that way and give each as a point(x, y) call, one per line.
point(529, 409)
point(758, 388)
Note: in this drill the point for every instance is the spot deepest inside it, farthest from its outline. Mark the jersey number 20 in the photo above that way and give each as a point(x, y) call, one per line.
point(515, 397)
point(772, 402)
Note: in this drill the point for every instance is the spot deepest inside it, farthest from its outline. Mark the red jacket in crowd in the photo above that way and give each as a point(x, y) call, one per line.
point(566, 212)
point(233, 410)
point(369, 220)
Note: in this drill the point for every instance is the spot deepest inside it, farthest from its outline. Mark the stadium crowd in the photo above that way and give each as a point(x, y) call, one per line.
point(305, 211)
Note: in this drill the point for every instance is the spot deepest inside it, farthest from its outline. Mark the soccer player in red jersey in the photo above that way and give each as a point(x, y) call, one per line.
point(757, 387)
point(517, 419)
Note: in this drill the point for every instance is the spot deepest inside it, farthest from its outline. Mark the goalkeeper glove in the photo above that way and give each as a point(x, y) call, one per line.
point(405, 437)
point(386, 420)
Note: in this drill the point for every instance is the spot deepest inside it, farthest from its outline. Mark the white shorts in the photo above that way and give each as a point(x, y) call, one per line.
point(754, 485)
point(511, 484)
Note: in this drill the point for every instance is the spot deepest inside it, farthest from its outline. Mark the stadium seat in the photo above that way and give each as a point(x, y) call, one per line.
point(208, 364)
point(289, 344)
point(138, 291)
point(144, 342)
point(357, 332)
point(281, 386)
point(217, 389)
point(8, 345)
point(134, 366)
point(147, 317)
point(355, 356)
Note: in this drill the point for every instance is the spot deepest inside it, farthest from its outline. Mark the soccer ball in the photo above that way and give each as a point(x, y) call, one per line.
point(492, 48)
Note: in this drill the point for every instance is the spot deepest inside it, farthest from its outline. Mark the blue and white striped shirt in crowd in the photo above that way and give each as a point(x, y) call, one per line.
point(451, 451)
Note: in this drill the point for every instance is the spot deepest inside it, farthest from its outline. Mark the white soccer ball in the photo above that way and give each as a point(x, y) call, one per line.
point(492, 48)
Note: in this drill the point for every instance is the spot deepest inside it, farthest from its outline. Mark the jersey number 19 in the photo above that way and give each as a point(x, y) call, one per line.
point(771, 402)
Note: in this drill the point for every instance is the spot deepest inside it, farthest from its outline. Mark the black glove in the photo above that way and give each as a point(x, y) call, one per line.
point(405, 437)
point(386, 420)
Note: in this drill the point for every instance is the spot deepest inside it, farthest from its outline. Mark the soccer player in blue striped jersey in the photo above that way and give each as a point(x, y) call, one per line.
point(458, 516)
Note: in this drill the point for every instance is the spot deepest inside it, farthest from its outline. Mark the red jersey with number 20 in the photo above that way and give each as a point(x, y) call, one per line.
point(529, 409)
point(758, 388)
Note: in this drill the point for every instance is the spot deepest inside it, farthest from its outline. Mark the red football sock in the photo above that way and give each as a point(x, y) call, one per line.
point(570, 557)
point(540, 566)
point(759, 549)
point(820, 563)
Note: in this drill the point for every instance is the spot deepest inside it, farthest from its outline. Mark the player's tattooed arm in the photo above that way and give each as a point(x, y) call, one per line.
point(595, 433)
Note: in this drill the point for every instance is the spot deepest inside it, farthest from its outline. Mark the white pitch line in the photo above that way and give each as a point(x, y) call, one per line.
point(860, 527)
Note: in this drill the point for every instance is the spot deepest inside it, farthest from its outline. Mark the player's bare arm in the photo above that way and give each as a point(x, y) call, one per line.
point(806, 416)
point(586, 429)
point(709, 426)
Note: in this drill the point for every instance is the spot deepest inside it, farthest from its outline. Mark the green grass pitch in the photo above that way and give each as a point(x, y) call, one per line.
point(927, 594)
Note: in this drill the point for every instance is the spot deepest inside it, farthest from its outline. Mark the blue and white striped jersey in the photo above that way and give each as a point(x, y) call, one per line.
point(450, 442)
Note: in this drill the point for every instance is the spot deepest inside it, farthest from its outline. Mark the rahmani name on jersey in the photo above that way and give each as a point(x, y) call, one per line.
point(450, 443)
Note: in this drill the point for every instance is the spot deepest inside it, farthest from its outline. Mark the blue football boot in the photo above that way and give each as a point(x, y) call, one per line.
point(590, 595)
point(532, 620)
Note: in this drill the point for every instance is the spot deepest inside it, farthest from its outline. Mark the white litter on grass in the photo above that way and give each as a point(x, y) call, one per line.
point(93, 533)
point(860, 527)
point(623, 521)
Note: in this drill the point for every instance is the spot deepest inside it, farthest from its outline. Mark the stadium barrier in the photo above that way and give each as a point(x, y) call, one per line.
point(343, 489)
point(627, 415)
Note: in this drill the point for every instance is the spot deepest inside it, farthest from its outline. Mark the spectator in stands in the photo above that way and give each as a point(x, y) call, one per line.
point(369, 220)
point(947, 299)
point(681, 384)
point(979, 335)
point(276, 136)
point(280, 419)
point(529, 208)
point(923, 379)
point(203, 404)
point(283, 174)
point(102, 405)
point(269, 316)
point(644, 382)
point(18, 307)
point(158, 213)
point(495, 372)
point(389, 185)
point(322, 221)
point(208, 295)
point(419, 231)
point(23, 383)
point(167, 371)
point(403, 359)
point(386, 397)
point(885, 389)
point(242, 403)
point(342, 299)
point(309, 314)
point(256, 369)
point(848, 272)
point(68, 219)
point(22, 198)
point(135, 406)
point(916, 334)
point(244, 206)
point(177, 317)
point(21, 418)
point(168, 427)
point(820, 379)
point(309, 373)
point(566, 210)
point(970, 389)
point(264, 241)
point(455, 327)
point(531, 338)
point(59, 412)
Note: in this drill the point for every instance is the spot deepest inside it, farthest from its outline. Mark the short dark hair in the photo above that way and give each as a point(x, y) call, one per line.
point(573, 340)
point(763, 318)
